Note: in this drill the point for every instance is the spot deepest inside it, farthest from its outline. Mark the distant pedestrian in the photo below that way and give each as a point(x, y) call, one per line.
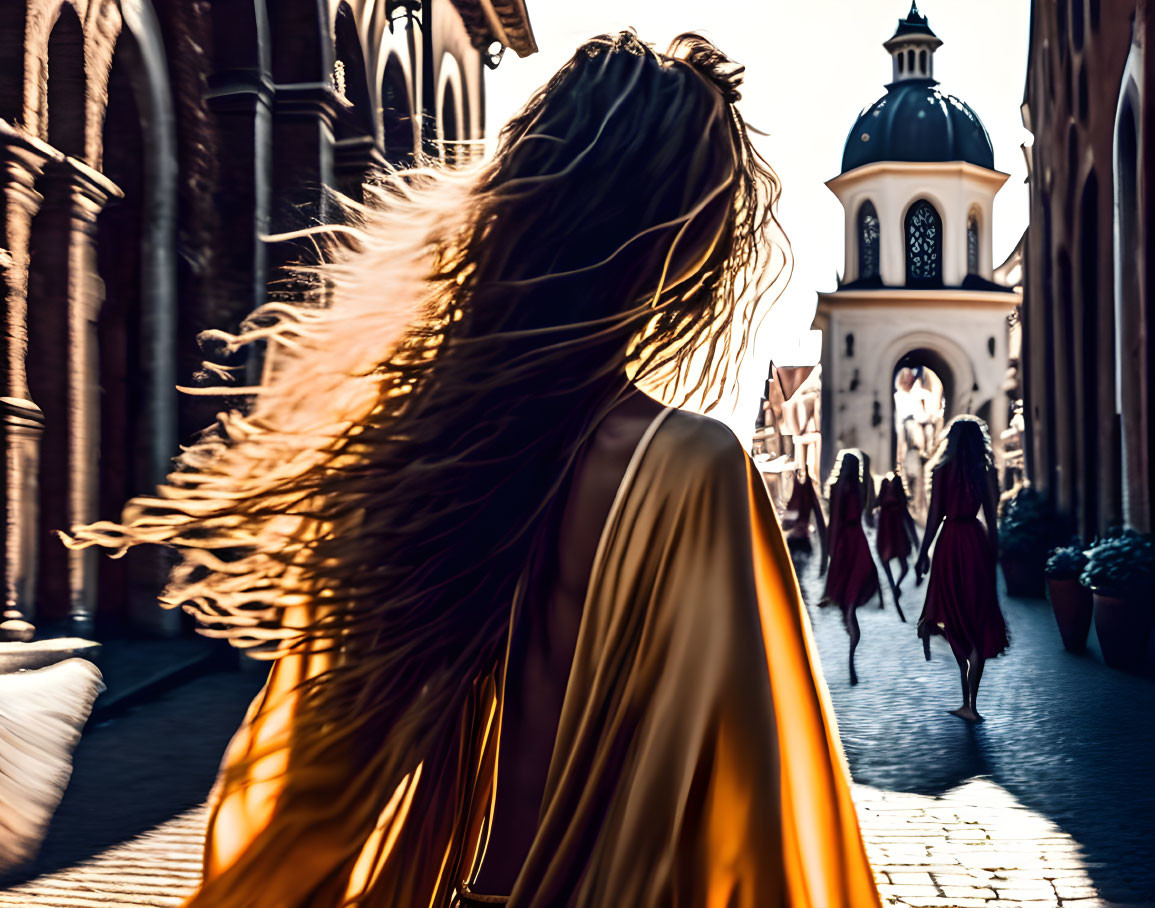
point(897, 536)
point(962, 601)
point(852, 578)
point(802, 509)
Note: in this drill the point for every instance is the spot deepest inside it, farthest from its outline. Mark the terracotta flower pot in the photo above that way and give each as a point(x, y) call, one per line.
point(1024, 578)
point(1123, 624)
point(1073, 605)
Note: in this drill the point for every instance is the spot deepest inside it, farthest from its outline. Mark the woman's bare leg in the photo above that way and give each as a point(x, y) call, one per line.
point(893, 585)
point(855, 636)
point(905, 562)
point(972, 673)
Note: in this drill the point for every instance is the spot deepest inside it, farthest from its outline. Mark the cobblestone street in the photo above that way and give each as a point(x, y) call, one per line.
point(1050, 803)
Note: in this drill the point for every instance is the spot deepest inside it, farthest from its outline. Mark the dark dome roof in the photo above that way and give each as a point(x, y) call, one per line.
point(916, 121)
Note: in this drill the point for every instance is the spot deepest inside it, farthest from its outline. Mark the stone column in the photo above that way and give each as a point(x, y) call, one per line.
point(21, 422)
point(85, 192)
point(242, 101)
point(303, 170)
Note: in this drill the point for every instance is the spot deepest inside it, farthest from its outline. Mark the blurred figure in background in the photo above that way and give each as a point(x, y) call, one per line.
point(851, 579)
point(897, 536)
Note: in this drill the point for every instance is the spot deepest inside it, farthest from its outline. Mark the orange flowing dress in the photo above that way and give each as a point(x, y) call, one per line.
point(696, 761)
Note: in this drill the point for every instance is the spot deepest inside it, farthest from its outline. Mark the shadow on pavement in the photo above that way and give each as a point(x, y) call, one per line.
point(1069, 738)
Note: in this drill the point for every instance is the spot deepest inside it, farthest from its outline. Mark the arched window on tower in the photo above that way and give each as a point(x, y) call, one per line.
point(972, 244)
point(868, 234)
point(922, 62)
point(910, 60)
point(923, 244)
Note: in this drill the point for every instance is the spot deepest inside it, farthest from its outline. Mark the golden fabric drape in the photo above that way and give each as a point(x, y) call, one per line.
point(697, 761)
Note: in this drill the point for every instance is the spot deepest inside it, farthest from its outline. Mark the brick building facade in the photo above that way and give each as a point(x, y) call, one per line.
point(1088, 279)
point(146, 147)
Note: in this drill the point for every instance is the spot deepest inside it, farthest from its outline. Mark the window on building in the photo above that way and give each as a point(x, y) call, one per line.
point(901, 61)
point(923, 244)
point(972, 244)
point(910, 60)
point(922, 62)
point(868, 237)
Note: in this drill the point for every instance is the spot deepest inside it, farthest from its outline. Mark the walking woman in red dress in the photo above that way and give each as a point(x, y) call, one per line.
point(802, 508)
point(852, 579)
point(962, 602)
point(897, 536)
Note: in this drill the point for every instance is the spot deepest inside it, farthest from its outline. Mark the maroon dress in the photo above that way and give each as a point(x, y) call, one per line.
point(799, 510)
point(851, 579)
point(962, 601)
point(893, 540)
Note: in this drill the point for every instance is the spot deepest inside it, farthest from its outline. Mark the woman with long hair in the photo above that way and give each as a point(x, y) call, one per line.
point(851, 579)
point(962, 601)
point(897, 536)
point(537, 637)
point(802, 509)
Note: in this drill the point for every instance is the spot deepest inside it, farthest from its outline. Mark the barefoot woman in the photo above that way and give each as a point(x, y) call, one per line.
point(962, 602)
point(538, 640)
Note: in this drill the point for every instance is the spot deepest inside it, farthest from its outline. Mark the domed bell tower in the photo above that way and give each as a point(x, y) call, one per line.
point(916, 331)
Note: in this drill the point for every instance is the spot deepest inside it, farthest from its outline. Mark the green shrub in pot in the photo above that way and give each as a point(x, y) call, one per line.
point(1120, 571)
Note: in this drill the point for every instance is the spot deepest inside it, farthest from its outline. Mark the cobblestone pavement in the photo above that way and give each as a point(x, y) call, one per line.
point(1050, 803)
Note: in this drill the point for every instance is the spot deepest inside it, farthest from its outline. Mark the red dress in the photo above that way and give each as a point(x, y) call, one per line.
point(851, 579)
point(799, 510)
point(893, 540)
point(962, 601)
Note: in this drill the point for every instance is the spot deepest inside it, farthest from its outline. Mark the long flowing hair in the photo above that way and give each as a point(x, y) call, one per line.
point(848, 475)
point(384, 493)
point(964, 448)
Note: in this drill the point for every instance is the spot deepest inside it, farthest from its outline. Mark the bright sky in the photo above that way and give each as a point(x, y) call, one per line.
point(810, 69)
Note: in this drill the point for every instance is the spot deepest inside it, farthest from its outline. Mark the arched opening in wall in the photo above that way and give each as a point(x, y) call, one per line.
point(1072, 163)
point(901, 63)
point(397, 114)
point(124, 374)
point(12, 25)
point(922, 62)
point(923, 245)
point(450, 126)
point(1077, 25)
point(1067, 466)
point(868, 242)
point(972, 243)
point(1090, 379)
point(910, 60)
point(354, 118)
point(923, 399)
point(1050, 417)
point(1081, 94)
point(66, 88)
point(1130, 375)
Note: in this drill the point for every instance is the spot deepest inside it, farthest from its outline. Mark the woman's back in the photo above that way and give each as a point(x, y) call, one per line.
point(542, 646)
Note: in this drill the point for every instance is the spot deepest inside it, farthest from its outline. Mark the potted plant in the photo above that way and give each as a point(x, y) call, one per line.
point(1025, 526)
point(1071, 601)
point(1120, 572)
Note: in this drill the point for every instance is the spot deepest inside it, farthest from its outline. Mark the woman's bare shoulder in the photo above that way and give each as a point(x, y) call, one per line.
point(703, 442)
